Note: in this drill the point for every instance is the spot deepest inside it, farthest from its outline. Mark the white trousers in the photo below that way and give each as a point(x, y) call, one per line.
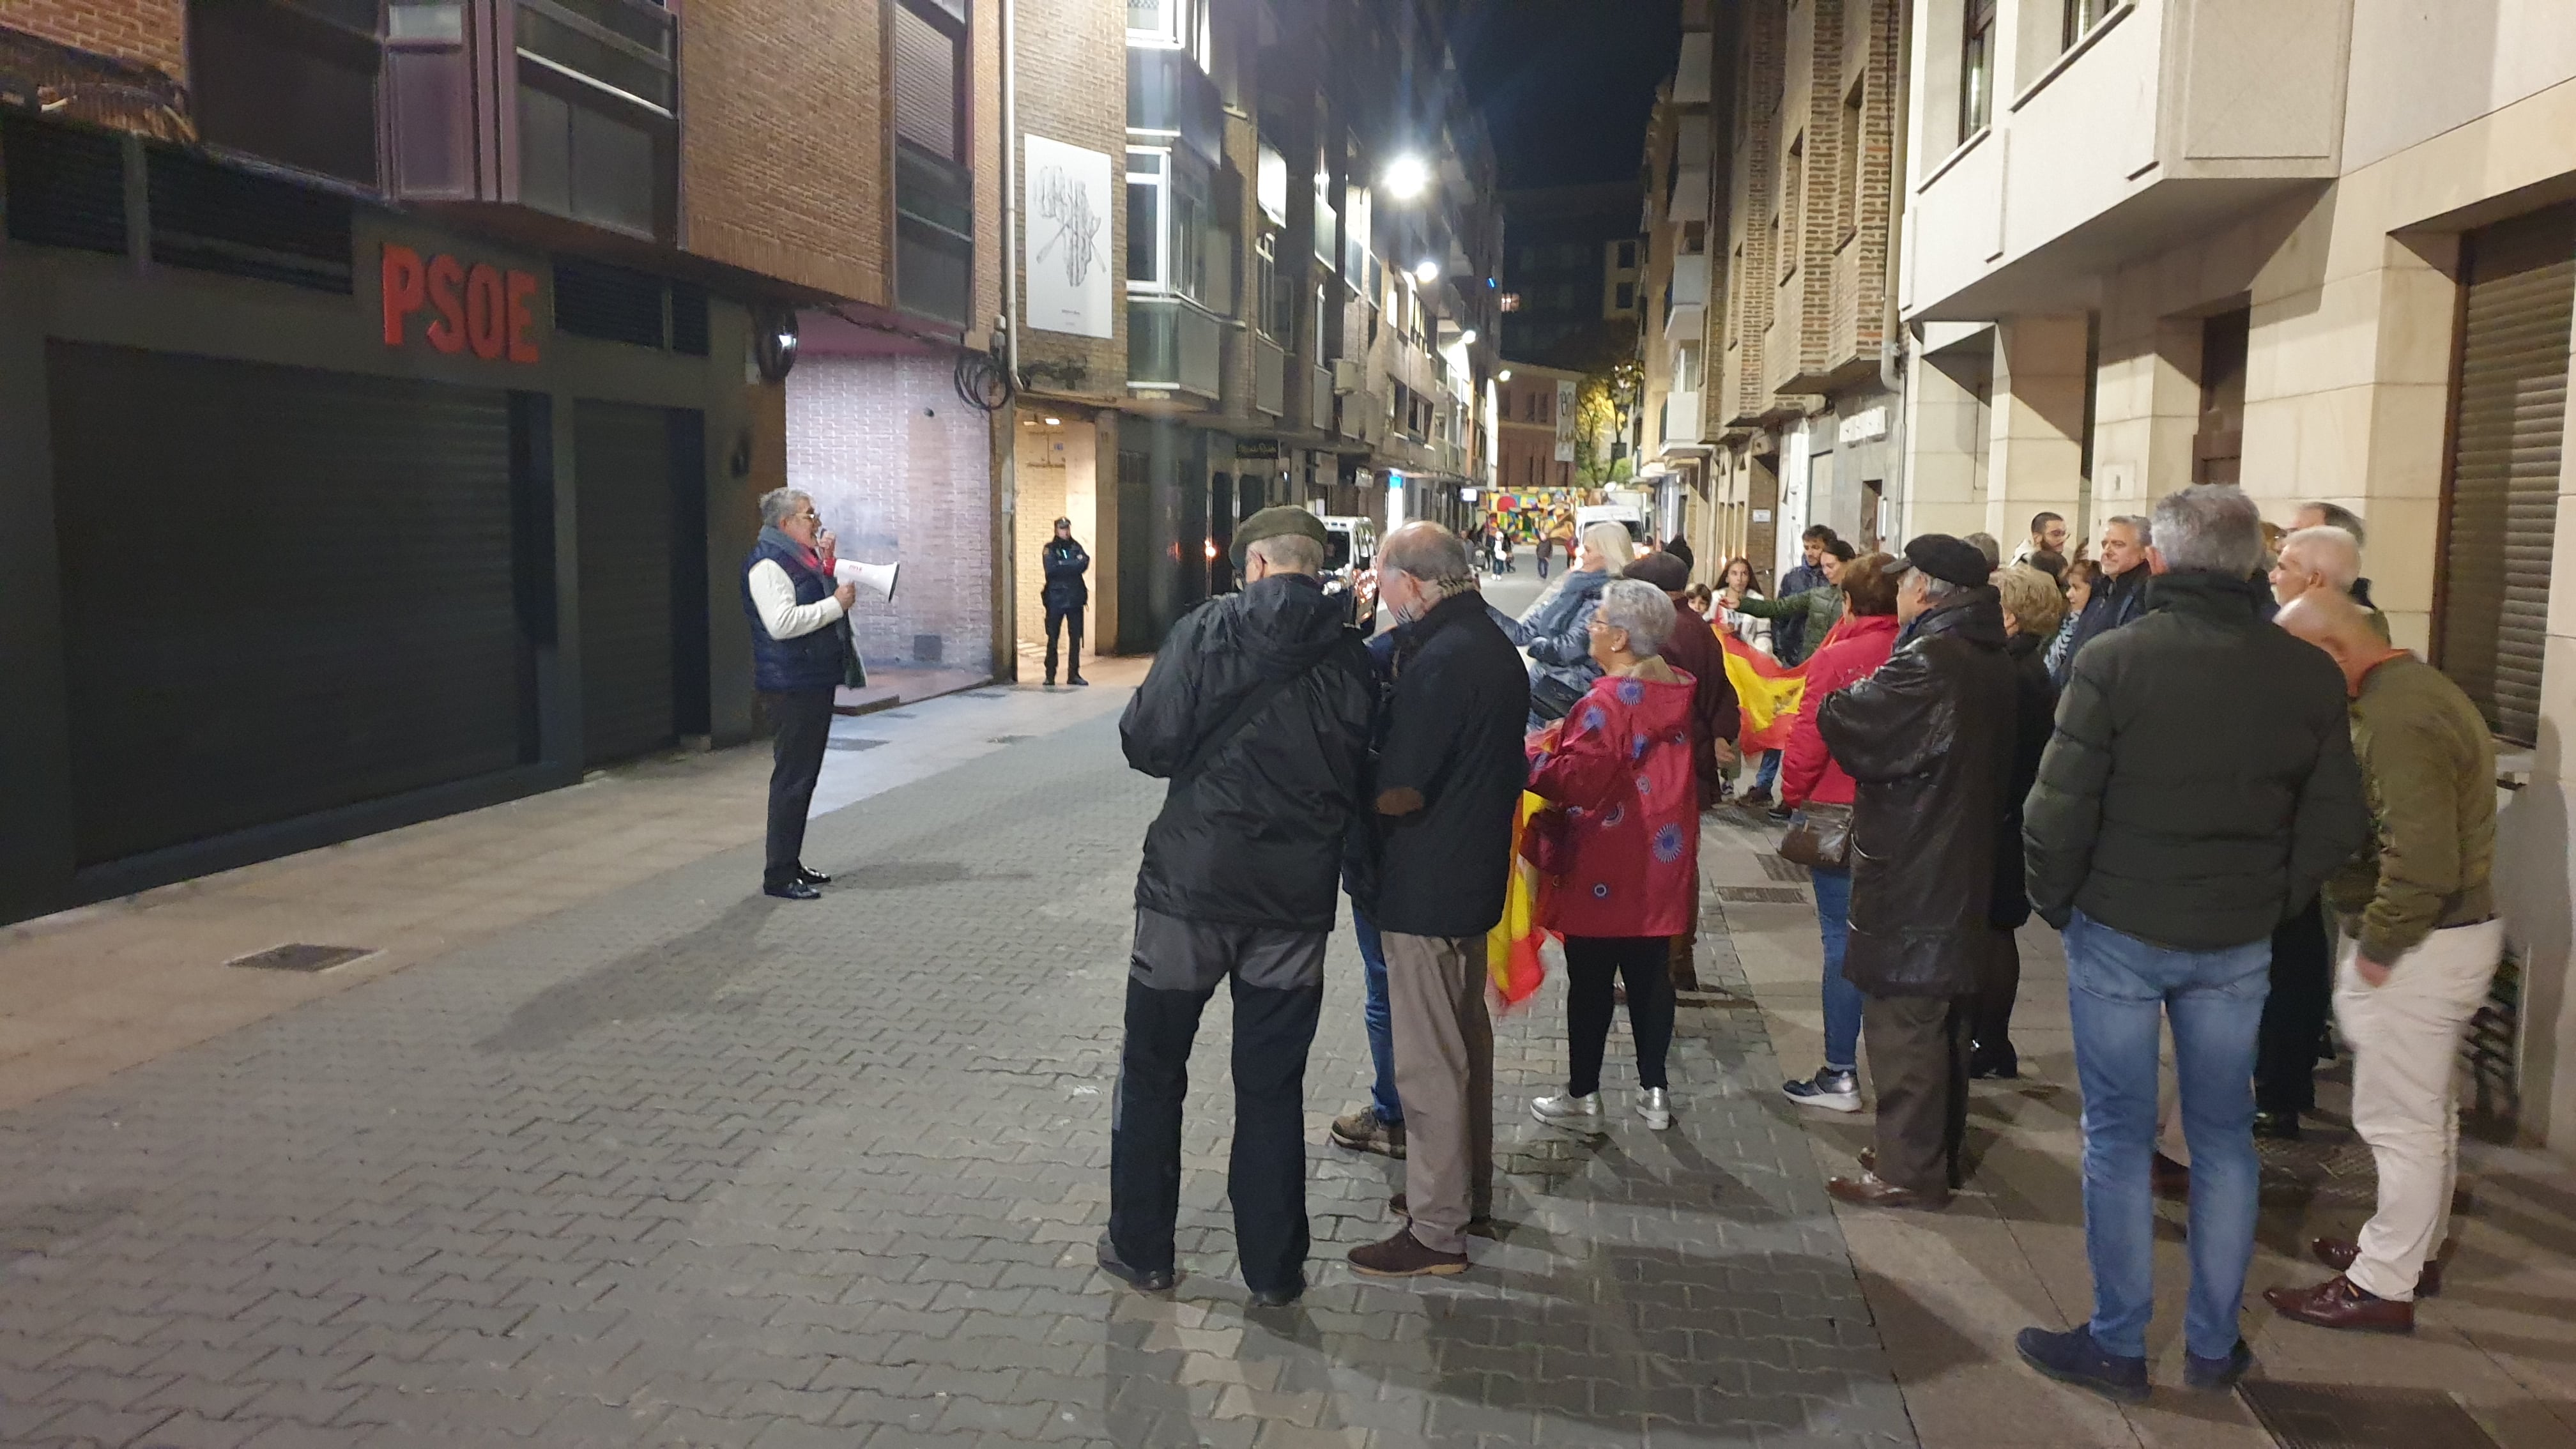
point(2405, 1038)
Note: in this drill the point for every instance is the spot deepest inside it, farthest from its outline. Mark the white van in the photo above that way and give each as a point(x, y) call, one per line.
point(1625, 515)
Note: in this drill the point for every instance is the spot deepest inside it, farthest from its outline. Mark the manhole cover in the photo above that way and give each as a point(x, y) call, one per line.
point(851, 744)
point(301, 957)
point(1778, 869)
point(1010, 739)
point(2339, 1416)
point(1763, 895)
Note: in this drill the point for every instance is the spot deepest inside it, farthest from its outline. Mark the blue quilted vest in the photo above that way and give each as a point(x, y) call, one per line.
point(809, 661)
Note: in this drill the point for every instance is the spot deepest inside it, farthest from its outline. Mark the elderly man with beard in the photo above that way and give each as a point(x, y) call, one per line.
point(1448, 786)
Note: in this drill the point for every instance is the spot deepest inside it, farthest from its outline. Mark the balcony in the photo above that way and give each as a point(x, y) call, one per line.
point(1174, 345)
point(1681, 419)
point(1269, 377)
point(2169, 118)
point(934, 237)
point(1690, 280)
point(1168, 95)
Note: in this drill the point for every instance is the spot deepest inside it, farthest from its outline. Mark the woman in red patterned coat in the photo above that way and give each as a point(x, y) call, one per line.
point(1620, 762)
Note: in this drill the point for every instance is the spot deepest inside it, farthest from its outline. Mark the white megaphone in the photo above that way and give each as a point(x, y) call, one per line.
point(877, 579)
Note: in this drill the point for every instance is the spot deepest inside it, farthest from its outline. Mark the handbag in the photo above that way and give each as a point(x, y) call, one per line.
point(1819, 838)
point(1547, 843)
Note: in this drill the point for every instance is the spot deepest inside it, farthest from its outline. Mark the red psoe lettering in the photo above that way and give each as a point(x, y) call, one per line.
point(447, 330)
point(402, 290)
point(523, 317)
point(485, 312)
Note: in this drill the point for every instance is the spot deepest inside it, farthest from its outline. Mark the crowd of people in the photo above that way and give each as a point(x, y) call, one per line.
point(2187, 754)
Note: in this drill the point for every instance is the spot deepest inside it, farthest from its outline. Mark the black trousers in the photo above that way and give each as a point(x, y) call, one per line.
point(1266, 1175)
point(804, 721)
point(1998, 984)
point(2294, 1015)
point(1073, 639)
point(1918, 1061)
point(1592, 965)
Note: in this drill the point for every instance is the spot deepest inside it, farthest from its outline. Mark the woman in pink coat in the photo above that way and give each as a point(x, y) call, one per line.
point(1620, 764)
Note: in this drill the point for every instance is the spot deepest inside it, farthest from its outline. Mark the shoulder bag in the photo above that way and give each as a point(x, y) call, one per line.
point(1819, 838)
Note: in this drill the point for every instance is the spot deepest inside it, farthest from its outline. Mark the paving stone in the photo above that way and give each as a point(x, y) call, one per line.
point(685, 1165)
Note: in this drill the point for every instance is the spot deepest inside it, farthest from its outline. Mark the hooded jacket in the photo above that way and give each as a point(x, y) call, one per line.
point(1556, 632)
point(1254, 835)
point(1621, 766)
point(2200, 785)
point(1928, 741)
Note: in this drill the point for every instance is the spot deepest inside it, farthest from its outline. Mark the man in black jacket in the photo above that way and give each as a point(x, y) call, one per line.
point(1065, 562)
point(1928, 743)
point(2120, 595)
point(1448, 788)
point(2199, 789)
point(1257, 710)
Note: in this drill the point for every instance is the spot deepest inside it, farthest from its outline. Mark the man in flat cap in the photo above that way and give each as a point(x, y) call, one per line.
point(1258, 711)
point(1928, 742)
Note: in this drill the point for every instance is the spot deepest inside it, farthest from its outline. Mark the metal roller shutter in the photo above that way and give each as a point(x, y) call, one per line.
point(2501, 515)
point(622, 462)
point(284, 591)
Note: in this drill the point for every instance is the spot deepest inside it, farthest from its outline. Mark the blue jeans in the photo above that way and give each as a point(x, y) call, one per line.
point(1768, 772)
point(2119, 989)
point(1842, 999)
point(1381, 1036)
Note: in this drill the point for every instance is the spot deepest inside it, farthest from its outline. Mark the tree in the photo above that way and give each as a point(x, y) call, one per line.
point(1603, 403)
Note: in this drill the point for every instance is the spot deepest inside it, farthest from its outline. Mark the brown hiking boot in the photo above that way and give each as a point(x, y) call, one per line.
point(1362, 1130)
point(1403, 1256)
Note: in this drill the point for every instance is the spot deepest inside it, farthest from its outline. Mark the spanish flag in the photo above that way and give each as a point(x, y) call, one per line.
point(1767, 691)
point(1513, 966)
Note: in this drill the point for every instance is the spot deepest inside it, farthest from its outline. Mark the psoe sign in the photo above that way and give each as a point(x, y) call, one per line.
point(481, 306)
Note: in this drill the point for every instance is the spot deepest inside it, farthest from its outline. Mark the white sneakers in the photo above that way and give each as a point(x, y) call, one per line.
point(1584, 1114)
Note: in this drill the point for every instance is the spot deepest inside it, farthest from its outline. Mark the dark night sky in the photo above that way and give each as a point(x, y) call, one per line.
point(1565, 85)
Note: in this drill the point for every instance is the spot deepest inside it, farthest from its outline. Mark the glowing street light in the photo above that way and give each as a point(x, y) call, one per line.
point(1426, 271)
point(1406, 178)
point(1467, 338)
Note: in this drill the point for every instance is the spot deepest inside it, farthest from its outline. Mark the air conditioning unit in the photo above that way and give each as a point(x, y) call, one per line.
point(1346, 376)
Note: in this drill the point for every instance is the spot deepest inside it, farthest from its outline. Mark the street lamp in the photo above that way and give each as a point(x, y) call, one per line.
point(1406, 178)
point(1467, 338)
point(1426, 271)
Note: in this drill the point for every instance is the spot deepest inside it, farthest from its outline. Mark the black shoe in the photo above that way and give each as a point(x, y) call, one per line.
point(2074, 1358)
point(812, 877)
point(1779, 814)
point(1050, 681)
point(2218, 1375)
point(1999, 1062)
point(1081, 683)
point(2279, 1126)
point(1278, 1297)
point(794, 890)
point(1143, 1280)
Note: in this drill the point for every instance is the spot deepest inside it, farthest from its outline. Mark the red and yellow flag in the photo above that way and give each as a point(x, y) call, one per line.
point(1766, 690)
point(1514, 968)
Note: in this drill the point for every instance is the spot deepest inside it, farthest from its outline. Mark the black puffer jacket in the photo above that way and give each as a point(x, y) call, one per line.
point(1928, 743)
point(1255, 837)
point(2200, 785)
point(2034, 716)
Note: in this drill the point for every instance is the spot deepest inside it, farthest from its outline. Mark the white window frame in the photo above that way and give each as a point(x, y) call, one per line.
point(1149, 165)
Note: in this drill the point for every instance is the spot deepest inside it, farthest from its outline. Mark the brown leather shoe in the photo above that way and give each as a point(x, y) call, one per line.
point(2171, 1178)
point(1404, 1256)
point(1869, 1190)
point(2339, 1253)
point(2336, 1303)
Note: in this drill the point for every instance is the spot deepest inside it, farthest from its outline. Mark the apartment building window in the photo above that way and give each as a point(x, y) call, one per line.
point(1172, 24)
point(1694, 238)
point(1627, 256)
point(2083, 15)
point(1148, 180)
point(293, 84)
point(1792, 209)
point(1849, 162)
point(1977, 68)
point(1625, 298)
point(1272, 294)
point(1686, 367)
point(929, 79)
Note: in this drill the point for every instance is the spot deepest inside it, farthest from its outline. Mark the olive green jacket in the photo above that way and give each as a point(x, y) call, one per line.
point(2428, 763)
point(1821, 608)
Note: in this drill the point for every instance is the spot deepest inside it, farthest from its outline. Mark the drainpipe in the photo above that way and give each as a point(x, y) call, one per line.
point(1011, 188)
point(1891, 344)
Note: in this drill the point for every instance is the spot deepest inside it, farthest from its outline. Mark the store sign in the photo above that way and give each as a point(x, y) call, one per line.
point(1564, 421)
point(1862, 427)
point(476, 306)
point(1256, 449)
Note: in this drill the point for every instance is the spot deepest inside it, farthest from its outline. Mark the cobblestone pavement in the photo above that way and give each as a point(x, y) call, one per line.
point(676, 1166)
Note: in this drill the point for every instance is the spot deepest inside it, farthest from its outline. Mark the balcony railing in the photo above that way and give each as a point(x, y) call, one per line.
point(1269, 377)
point(934, 245)
point(1681, 418)
point(1168, 93)
point(1690, 280)
point(1173, 343)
